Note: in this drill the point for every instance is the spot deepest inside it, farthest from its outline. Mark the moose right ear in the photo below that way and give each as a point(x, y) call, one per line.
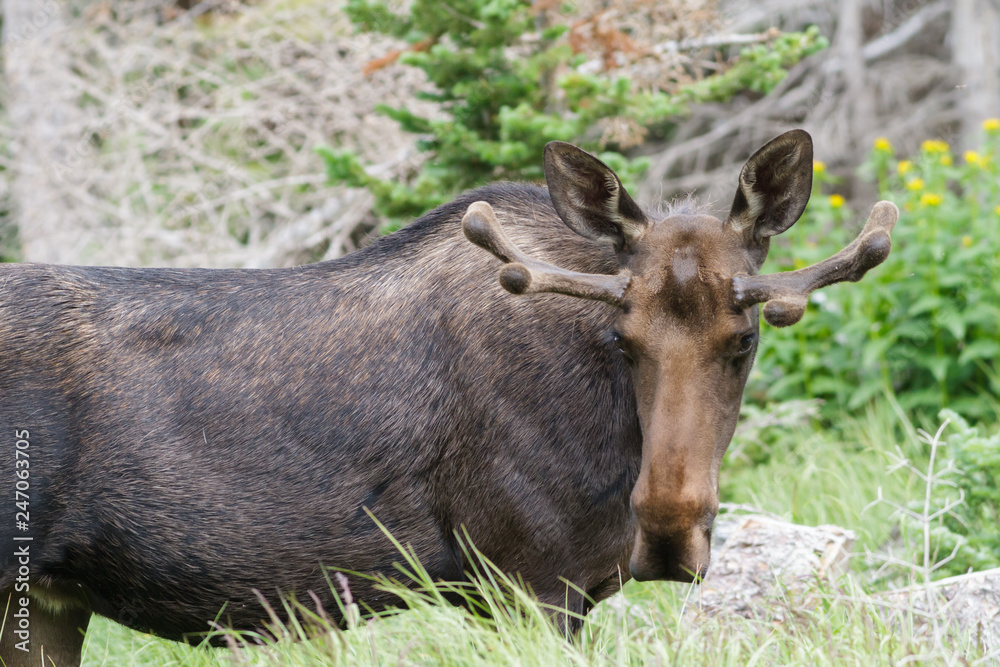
point(589, 196)
point(774, 188)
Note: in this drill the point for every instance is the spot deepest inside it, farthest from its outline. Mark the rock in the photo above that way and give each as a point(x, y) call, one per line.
point(764, 559)
point(966, 603)
point(767, 568)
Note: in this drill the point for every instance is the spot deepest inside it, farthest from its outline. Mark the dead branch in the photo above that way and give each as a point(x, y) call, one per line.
point(194, 147)
point(715, 41)
point(845, 96)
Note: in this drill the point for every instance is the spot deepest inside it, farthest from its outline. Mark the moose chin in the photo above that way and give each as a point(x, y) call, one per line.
point(565, 398)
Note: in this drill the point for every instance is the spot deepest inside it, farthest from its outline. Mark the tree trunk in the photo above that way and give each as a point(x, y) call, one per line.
point(42, 110)
point(975, 26)
point(849, 43)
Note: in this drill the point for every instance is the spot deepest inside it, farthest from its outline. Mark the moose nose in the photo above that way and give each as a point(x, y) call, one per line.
point(682, 556)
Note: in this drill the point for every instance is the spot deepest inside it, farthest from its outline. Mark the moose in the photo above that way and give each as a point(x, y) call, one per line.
point(175, 443)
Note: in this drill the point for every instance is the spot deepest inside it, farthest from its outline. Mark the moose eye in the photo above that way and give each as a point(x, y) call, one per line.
point(622, 346)
point(746, 344)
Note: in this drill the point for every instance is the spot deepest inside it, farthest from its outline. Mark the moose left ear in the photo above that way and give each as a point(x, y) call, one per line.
point(589, 196)
point(774, 187)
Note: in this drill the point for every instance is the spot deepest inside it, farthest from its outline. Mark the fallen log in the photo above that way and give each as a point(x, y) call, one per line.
point(764, 559)
point(966, 603)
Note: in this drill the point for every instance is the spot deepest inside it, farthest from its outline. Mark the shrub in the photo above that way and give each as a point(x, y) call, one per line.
point(975, 525)
point(507, 87)
point(952, 522)
point(926, 324)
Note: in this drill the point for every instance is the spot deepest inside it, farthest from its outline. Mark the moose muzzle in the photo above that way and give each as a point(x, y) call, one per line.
point(678, 553)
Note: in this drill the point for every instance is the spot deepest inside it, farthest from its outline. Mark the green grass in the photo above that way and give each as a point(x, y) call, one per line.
point(810, 474)
point(647, 627)
point(828, 474)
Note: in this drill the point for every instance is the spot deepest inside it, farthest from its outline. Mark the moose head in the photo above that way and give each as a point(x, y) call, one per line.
point(687, 320)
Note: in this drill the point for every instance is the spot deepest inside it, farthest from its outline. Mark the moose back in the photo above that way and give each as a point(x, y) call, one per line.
point(173, 440)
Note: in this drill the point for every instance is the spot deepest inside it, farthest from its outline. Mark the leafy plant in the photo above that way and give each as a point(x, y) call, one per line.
point(974, 527)
point(955, 526)
point(505, 87)
point(926, 324)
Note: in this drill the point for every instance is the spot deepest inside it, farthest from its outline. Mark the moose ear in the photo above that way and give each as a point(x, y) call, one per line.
point(774, 187)
point(589, 196)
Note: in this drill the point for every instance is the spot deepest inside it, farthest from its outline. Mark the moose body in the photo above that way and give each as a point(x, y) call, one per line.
point(195, 436)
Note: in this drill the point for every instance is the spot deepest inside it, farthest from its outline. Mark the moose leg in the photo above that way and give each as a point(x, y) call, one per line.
point(565, 607)
point(51, 635)
point(604, 590)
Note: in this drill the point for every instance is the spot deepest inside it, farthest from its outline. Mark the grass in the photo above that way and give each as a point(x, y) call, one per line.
point(820, 474)
point(647, 627)
point(811, 475)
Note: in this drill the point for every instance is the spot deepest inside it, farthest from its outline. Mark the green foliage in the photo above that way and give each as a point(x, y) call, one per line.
point(503, 97)
point(9, 241)
point(924, 325)
point(813, 474)
point(649, 624)
point(974, 526)
point(950, 519)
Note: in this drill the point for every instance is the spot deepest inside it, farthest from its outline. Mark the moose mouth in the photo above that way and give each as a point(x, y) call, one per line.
point(681, 557)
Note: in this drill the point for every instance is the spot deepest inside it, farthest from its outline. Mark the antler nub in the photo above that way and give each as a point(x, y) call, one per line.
point(786, 294)
point(525, 275)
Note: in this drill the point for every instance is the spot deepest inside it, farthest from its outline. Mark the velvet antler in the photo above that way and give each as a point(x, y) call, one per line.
point(524, 275)
point(786, 293)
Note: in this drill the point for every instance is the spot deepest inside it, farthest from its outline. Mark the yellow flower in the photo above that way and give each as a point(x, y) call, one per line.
point(934, 146)
point(819, 167)
point(991, 125)
point(997, 210)
point(915, 184)
point(836, 201)
point(946, 160)
point(967, 241)
point(904, 166)
point(930, 199)
point(973, 158)
point(882, 144)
